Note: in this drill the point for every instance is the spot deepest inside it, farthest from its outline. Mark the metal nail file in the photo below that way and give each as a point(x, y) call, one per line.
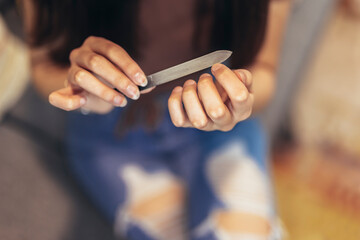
point(186, 68)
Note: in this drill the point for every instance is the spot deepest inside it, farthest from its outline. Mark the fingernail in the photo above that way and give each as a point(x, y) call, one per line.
point(141, 79)
point(117, 100)
point(82, 101)
point(242, 76)
point(177, 89)
point(133, 92)
point(189, 83)
point(124, 102)
point(205, 75)
point(216, 67)
point(120, 101)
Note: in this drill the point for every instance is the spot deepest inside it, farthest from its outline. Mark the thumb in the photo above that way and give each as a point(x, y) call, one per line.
point(67, 99)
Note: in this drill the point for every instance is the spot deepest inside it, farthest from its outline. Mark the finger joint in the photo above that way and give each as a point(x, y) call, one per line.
point(94, 61)
point(79, 76)
point(200, 123)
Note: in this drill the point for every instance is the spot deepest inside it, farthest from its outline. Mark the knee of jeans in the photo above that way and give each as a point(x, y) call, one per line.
point(238, 182)
point(244, 191)
point(154, 203)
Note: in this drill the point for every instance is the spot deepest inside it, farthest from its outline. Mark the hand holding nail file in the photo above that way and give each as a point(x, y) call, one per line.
point(186, 68)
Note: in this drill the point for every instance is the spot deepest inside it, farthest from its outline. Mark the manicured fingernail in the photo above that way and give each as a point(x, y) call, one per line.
point(124, 102)
point(205, 75)
point(82, 101)
point(118, 100)
point(133, 92)
point(141, 79)
point(216, 67)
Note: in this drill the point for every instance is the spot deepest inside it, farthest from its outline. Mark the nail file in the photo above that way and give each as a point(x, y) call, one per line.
point(186, 68)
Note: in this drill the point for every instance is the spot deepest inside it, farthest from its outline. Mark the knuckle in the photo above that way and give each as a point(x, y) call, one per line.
point(94, 61)
point(90, 40)
point(241, 97)
point(110, 50)
point(79, 76)
point(200, 123)
point(99, 38)
point(217, 113)
point(73, 54)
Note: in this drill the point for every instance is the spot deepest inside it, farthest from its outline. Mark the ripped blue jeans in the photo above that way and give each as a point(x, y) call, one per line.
point(174, 183)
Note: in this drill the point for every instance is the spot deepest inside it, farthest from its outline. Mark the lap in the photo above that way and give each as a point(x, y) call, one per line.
point(218, 176)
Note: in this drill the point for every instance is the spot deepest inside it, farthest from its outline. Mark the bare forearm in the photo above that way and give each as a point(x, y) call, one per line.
point(263, 86)
point(266, 65)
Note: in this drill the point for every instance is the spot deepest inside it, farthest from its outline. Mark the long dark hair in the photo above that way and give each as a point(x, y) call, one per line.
point(62, 25)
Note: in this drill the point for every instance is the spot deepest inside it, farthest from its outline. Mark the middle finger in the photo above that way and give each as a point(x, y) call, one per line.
point(107, 71)
point(193, 107)
point(234, 87)
point(91, 84)
point(211, 99)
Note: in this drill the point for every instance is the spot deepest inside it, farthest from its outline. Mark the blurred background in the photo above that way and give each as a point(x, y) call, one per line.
point(313, 125)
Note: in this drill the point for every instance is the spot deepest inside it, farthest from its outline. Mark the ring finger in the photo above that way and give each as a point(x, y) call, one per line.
point(106, 70)
point(91, 84)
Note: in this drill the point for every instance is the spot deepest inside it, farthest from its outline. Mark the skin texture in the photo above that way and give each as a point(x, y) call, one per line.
point(211, 104)
point(204, 108)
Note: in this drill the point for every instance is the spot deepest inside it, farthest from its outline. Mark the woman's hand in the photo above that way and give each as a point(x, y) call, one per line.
point(97, 67)
point(210, 105)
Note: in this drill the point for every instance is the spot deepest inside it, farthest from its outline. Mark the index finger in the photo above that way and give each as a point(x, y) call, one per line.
point(234, 87)
point(118, 56)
